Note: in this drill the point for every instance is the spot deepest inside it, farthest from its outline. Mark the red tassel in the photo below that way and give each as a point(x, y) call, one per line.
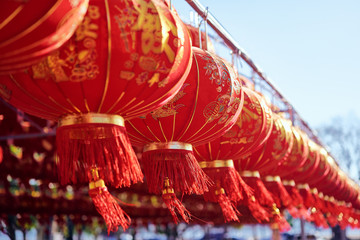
point(106, 146)
point(279, 220)
point(173, 203)
point(108, 207)
point(231, 181)
point(179, 166)
point(332, 220)
point(229, 211)
point(318, 218)
point(306, 196)
point(261, 193)
point(257, 211)
point(278, 191)
point(295, 195)
point(217, 194)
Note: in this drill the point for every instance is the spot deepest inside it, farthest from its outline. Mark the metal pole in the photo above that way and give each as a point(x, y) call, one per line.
point(302, 225)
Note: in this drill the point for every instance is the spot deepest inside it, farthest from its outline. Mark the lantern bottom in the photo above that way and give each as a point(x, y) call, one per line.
point(96, 141)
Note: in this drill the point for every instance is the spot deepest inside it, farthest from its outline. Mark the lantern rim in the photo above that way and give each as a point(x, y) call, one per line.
point(167, 145)
point(75, 119)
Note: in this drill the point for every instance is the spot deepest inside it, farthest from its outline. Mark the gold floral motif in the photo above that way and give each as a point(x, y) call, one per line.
point(81, 64)
point(216, 109)
point(170, 108)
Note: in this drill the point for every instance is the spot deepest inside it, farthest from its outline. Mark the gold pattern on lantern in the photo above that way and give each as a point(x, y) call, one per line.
point(82, 64)
point(171, 107)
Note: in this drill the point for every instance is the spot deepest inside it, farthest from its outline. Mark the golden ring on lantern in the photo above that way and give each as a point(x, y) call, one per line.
point(321, 195)
point(272, 179)
point(217, 164)
point(91, 118)
point(250, 174)
point(168, 145)
point(289, 183)
point(314, 191)
point(303, 186)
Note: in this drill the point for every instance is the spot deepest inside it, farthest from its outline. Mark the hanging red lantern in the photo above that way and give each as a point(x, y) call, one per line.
point(29, 30)
point(207, 105)
point(252, 129)
point(295, 160)
point(216, 156)
point(276, 149)
point(297, 157)
point(125, 59)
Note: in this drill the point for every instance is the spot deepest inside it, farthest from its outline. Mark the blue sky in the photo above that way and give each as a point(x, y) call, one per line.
point(309, 49)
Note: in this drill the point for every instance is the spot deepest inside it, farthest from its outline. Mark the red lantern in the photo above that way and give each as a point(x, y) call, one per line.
point(294, 161)
point(276, 149)
point(302, 174)
point(207, 105)
point(250, 131)
point(126, 58)
point(29, 30)
point(297, 157)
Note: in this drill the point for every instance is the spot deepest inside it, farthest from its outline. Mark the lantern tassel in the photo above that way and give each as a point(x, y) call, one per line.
point(260, 192)
point(233, 184)
point(295, 196)
point(307, 197)
point(279, 219)
point(229, 211)
point(318, 218)
point(107, 205)
point(179, 166)
point(278, 191)
point(217, 194)
point(332, 220)
point(257, 211)
point(106, 146)
point(173, 203)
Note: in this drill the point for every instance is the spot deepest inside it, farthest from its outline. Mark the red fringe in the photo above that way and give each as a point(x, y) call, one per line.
point(257, 211)
point(318, 218)
point(283, 225)
point(104, 146)
point(260, 192)
point(332, 220)
point(173, 203)
point(319, 203)
point(279, 193)
point(231, 181)
point(180, 166)
point(229, 211)
point(109, 209)
point(296, 198)
point(307, 197)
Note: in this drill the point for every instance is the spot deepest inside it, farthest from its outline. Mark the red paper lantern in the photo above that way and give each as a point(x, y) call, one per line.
point(297, 157)
point(29, 30)
point(251, 130)
point(207, 105)
point(302, 174)
point(276, 149)
point(125, 59)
